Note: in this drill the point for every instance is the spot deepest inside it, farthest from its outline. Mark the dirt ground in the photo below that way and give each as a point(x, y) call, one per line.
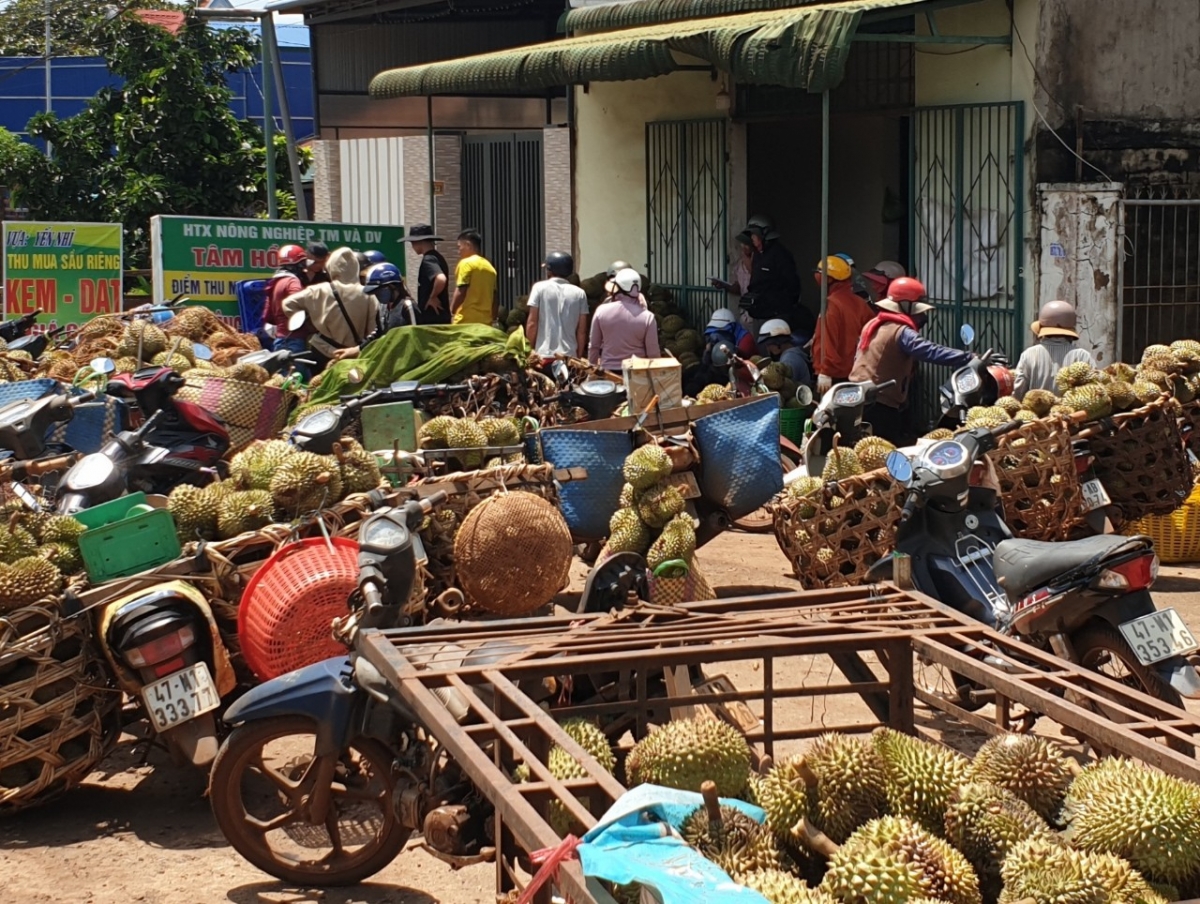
point(144, 833)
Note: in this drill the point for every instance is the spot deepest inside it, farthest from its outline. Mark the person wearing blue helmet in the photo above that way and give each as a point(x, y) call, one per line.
point(723, 327)
point(396, 306)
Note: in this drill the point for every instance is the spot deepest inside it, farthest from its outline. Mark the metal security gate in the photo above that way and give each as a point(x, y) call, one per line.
point(967, 169)
point(1159, 267)
point(686, 212)
point(503, 199)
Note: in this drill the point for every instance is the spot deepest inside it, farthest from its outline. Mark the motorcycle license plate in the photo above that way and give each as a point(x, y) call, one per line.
point(181, 696)
point(1094, 495)
point(1158, 636)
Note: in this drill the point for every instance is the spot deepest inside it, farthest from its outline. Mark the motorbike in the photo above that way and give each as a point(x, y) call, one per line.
point(979, 383)
point(25, 423)
point(11, 330)
point(1087, 601)
point(599, 398)
point(345, 752)
point(103, 476)
point(839, 416)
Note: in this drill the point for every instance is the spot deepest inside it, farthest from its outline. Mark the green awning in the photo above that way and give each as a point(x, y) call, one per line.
point(635, 13)
point(797, 47)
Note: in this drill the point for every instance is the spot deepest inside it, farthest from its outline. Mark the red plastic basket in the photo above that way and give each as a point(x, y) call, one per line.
point(290, 602)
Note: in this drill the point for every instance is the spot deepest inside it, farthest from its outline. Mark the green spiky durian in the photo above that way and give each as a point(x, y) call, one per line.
point(646, 466)
point(1155, 351)
point(1091, 398)
point(306, 481)
point(1046, 872)
point(1122, 395)
point(359, 471)
point(178, 363)
point(247, 372)
point(153, 340)
point(1121, 372)
point(625, 500)
point(1078, 374)
point(432, 434)
point(17, 543)
point(1010, 404)
point(672, 324)
point(1117, 806)
point(27, 580)
point(677, 541)
point(985, 821)
point(627, 533)
point(253, 467)
point(195, 515)
point(126, 365)
point(685, 753)
point(1155, 375)
point(64, 556)
point(1030, 767)
point(1039, 401)
point(775, 375)
point(61, 529)
point(781, 887)
point(872, 452)
point(245, 510)
point(713, 392)
point(840, 464)
point(1025, 416)
point(803, 488)
point(467, 434)
point(564, 766)
point(659, 504)
point(1147, 392)
point(737, 845)
point(920, 776)
point(500, 431)
point(939, 434)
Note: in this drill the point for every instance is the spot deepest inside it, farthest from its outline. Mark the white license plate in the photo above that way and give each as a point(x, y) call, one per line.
point(181, 696)
point(1094, 496)
point(1158, 636)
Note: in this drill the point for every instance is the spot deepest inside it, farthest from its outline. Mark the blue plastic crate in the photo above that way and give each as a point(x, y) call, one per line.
point(588, 505)
point(739, 455)
point(252, 302)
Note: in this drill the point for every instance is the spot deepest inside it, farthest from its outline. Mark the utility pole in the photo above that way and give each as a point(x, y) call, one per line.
point(49, 102)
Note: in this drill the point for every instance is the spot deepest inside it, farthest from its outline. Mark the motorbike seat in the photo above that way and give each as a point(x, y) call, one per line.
point(1022, 566)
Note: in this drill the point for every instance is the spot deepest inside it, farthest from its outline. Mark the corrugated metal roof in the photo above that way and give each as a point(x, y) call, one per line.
point(799, 47)
point(634, 13)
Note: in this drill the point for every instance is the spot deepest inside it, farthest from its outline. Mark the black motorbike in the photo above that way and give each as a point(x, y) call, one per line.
point(1087, 601)
point(599, 398)
point(24, 424)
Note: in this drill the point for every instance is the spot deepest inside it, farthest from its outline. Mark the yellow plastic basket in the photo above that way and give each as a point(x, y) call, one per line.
point(1176, 536)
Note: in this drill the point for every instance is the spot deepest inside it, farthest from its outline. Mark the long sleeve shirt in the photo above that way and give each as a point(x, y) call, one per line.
point(917, 346)
point(1041, 362)
point(838, 332)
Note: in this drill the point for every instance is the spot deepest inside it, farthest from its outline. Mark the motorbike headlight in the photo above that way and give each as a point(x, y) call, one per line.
point(91, 471)
point(966, 381)
point(319, 422)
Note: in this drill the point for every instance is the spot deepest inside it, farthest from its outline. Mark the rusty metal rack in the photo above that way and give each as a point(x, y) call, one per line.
point(871, 635)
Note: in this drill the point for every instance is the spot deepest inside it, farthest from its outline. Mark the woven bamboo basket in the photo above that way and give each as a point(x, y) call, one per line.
point(1141, 460)
point(1039, 486)
point(834, 537)
point(58, 716)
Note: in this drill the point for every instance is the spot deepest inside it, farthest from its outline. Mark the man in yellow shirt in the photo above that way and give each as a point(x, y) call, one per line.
point(474, 298)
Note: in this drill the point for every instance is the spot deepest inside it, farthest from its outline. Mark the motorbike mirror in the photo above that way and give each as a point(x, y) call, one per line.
point(202, 352)
point(967, 334)
point(103, 365)
point(899, 466)
point(722, 354)
point(804, 395)
point(296, 321)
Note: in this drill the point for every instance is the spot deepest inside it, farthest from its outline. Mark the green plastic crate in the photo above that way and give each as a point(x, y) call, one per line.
point(791, 423)
point(114, 546)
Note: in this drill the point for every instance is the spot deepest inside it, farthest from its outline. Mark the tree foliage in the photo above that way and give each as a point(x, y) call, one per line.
point(165, 142)
point(72, 26)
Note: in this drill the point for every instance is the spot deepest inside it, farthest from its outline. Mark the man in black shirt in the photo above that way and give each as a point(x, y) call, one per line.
point(774, 290)
point(433, 276)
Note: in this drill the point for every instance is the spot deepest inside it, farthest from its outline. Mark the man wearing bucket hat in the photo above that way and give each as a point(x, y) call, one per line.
point(840, 326)
point(1057, 346)
point(890, 347)
point(433, 276)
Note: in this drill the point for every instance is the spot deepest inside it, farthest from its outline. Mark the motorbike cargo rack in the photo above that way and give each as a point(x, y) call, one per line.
point(877, 637)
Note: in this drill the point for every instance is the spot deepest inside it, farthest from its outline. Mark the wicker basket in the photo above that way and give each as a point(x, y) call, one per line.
point(833, 537)
point(1141, 460)
point(58, 717)
point(1039, 486)
point(1176, 536)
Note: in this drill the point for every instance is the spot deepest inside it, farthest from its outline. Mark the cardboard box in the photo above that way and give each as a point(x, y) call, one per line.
point(648, 377)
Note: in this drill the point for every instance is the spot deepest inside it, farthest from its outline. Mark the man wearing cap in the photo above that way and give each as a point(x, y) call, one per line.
point(558, 311)
point(774, 289)
point(318, 260)
point(433, 276)
point(1057, 346)
point(840, 326)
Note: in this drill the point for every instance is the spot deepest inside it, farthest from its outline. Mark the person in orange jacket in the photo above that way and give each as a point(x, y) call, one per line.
point(839, 328)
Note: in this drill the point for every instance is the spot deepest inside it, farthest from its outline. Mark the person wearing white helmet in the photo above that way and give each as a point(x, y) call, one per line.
point(775, 340)
point(723, 327)
point(623, 328)
point(1057, 346)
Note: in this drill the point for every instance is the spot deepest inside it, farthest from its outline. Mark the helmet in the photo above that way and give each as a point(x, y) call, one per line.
point(760, 225)
point(617, 267)
point(722, 319)
point(890, 269)
point(374, 257)
point(774, 329)
point(1004, 379)
point(844, 256)
point(292, 255)
point(380, 275)
point(836, 267)
point(905, 296)
point(1056, 318)
point(627, 281)
point(559, 263)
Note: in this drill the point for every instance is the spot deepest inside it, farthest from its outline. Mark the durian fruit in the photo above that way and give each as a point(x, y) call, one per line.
point(872, 452)
point(1039, 401)
point(195, 515)
point(306, 481)
point(659, 504)
point(780, 887)
point(466, 433)
point(1061, 410)
point(176, 362)
point(1030, 767)
point(713, 392)
point(627, 533)
point(253, 467)
point(246, 372)
point(841, 463)
point(1090, 398)
point(921, 777)
point(16, 543)
point(1025, 416)
point(985, 822)
point(1147, 392)
point(892, 860)
point(1122, 395)
point(1160, 378)
point(127, 365)
point(64, 556)
point(563, 766)
point(1121, 372)
point(432, 434)
point(27, 580)
point(685, 753)
point(61, 529)
point(1046, 872)
point(152, 339)
point(1118, 806)
point(677, 541)
point(1078, 374)
point(245, 510)
point(359, 470)
point(1010, 404)
point(500, 431)
point(775, 375)
point(987, 416)
point(646, 466)
point(625, 500)
point(737, 844)
point(940, 433)
point(672, 324)
point(803, 488)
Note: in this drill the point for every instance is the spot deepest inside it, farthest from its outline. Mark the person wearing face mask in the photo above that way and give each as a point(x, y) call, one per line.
point(396, 306)
point(723, 328)
point(890, 348)
point(776, 341)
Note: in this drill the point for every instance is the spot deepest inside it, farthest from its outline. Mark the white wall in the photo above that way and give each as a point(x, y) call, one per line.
point(373, 181)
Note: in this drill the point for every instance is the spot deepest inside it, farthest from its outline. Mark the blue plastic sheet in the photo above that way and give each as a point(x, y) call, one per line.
point(739, 455)
point(633, 842)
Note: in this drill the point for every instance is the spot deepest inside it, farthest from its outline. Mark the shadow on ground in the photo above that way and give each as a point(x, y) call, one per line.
point(372, 893)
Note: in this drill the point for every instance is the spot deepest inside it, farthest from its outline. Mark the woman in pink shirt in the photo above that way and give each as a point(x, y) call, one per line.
point(622, 328)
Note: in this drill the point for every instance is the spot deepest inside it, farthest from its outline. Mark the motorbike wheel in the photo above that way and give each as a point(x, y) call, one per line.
point(761, 521)
point(1101, 648)
point(261, 787)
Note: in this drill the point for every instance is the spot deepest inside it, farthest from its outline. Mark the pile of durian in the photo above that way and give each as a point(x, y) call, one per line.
point(650, 518)
point(467, 434)
point(892, 819)
point(36, 550)
point(271, 481)
point(775, 376)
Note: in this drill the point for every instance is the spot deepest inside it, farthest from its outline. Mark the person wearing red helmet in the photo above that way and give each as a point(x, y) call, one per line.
point(890, 347)
point(290, 278)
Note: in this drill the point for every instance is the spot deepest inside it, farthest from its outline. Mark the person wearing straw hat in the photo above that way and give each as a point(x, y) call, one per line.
point(1057, 346)
point(433, 276)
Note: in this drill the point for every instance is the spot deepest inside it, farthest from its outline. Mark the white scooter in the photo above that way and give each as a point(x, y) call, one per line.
point(839, 415)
